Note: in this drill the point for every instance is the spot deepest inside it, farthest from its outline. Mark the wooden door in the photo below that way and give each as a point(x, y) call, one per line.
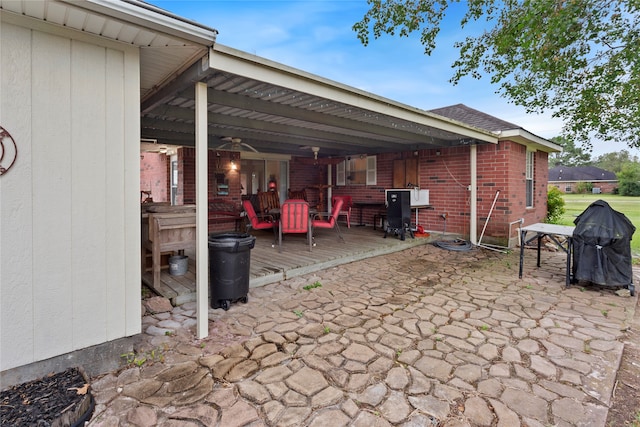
point(405, 171)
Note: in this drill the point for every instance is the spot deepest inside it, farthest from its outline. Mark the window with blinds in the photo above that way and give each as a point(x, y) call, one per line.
point(529, 178)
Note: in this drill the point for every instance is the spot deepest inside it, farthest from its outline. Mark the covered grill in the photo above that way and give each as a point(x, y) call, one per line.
point(602, 247)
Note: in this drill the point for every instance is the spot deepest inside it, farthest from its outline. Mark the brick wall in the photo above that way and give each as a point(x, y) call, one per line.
point(444, 172)
point(306, 176)
point(218, 165)
point(154, 175)
point(369, 193)
point(606, 187)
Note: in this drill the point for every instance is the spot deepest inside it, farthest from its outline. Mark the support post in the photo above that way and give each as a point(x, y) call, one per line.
point(202, 226)
point(473, 226)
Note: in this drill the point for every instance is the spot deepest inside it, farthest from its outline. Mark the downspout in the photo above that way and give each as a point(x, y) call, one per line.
point(473, 226)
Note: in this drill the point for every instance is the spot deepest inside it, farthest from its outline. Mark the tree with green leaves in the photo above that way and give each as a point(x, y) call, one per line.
point(629, 180)
point(576, 58)
point(571, 154)
point(614, 162)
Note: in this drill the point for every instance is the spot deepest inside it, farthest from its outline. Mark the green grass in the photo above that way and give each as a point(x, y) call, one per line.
point(575, 204)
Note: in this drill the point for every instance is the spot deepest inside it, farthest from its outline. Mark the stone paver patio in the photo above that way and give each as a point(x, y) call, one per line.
point(422, 337)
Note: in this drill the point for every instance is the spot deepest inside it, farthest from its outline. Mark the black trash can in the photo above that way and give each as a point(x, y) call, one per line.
point(229, 267)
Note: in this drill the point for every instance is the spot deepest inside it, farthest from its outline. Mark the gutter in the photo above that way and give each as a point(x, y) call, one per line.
point(523, 136)
point(140, 13)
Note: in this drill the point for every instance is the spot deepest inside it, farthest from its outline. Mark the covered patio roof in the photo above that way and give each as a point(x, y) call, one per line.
point(278, 109)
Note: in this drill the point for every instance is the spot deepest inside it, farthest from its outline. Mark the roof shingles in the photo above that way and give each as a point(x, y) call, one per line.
point(476, 118)
point(580, 173)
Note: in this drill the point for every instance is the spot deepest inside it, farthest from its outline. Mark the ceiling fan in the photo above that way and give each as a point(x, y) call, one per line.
point(316, 161)
point(152, 146)
point(314, 149)
point(235, 144)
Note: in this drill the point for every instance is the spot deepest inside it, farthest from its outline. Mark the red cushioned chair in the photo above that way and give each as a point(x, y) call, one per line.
point(346, 207)
point(332, 221)
point(256, 223)
point(294, 218)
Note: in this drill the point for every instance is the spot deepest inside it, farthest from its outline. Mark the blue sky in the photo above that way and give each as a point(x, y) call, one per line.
point(316, 36)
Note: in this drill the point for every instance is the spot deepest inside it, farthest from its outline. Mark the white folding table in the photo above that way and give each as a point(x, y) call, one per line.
point(554, 231)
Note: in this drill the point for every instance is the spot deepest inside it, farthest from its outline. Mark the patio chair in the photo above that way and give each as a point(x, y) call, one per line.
point(346, 207)
point(256, 223)
point(300, 195)
point(268, 200)
point(294, 218)
point(332, 220)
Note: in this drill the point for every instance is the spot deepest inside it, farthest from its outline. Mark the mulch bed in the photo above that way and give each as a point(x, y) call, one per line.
point(55, 400)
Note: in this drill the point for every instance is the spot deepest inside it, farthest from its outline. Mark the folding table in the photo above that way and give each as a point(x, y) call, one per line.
point(554, 232)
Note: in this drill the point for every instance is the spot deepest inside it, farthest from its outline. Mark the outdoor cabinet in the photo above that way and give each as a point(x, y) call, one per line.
point(405, 173)
point(167, 232)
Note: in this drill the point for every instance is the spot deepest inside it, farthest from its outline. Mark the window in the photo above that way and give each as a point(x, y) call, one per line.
point(529, 178)
point(357, 170)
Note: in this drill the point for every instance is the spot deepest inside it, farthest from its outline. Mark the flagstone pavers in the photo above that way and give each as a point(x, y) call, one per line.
point(424, 337)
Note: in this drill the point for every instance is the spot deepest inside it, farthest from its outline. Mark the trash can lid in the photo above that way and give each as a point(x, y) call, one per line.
point(230, 240)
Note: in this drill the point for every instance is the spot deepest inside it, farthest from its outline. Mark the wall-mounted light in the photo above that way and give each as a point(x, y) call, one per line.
point(437, 152)
point(233, 165)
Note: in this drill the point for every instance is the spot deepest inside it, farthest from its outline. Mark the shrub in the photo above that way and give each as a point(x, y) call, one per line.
point(555, 206)
point(584, 187)
point(629, 188)
point(629, 180)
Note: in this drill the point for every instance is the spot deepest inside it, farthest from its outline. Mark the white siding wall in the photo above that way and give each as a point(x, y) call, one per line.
point(69, 207)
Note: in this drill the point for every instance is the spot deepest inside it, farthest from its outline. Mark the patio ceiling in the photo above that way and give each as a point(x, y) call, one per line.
point(278, 109)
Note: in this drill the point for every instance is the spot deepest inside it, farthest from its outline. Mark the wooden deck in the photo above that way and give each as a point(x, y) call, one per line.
point(268, 265)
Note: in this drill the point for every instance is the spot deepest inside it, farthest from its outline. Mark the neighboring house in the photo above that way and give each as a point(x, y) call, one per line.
point(82, 83)
point(570, 179)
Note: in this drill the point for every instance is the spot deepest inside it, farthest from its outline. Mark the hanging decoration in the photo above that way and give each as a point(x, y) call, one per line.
point(8, 151)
